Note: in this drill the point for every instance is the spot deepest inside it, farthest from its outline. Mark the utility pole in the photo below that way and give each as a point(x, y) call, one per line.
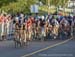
point(65, 3)
point(48, 2)
point(64, 8)
point(73, 5)
point(48, 6)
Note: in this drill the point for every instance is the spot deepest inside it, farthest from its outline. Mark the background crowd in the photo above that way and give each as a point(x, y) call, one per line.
point(30, 24)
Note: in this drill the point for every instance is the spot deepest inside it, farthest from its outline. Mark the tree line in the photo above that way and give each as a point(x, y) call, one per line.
point(14, 6)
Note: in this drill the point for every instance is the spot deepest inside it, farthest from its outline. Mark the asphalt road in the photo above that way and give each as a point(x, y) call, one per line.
point(7, 48)
point(64, 50)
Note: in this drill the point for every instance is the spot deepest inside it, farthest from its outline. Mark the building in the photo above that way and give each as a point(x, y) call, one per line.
point(71, 5)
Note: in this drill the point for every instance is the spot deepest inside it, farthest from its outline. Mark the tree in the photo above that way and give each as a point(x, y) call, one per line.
point(19, 6)
point(54, 2)
point(43, 1)
point(6, 2)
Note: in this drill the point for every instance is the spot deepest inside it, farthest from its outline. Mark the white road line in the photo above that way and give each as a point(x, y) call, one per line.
point(47, 48)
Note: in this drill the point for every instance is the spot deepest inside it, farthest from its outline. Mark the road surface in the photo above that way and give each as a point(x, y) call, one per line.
point(7, 49)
